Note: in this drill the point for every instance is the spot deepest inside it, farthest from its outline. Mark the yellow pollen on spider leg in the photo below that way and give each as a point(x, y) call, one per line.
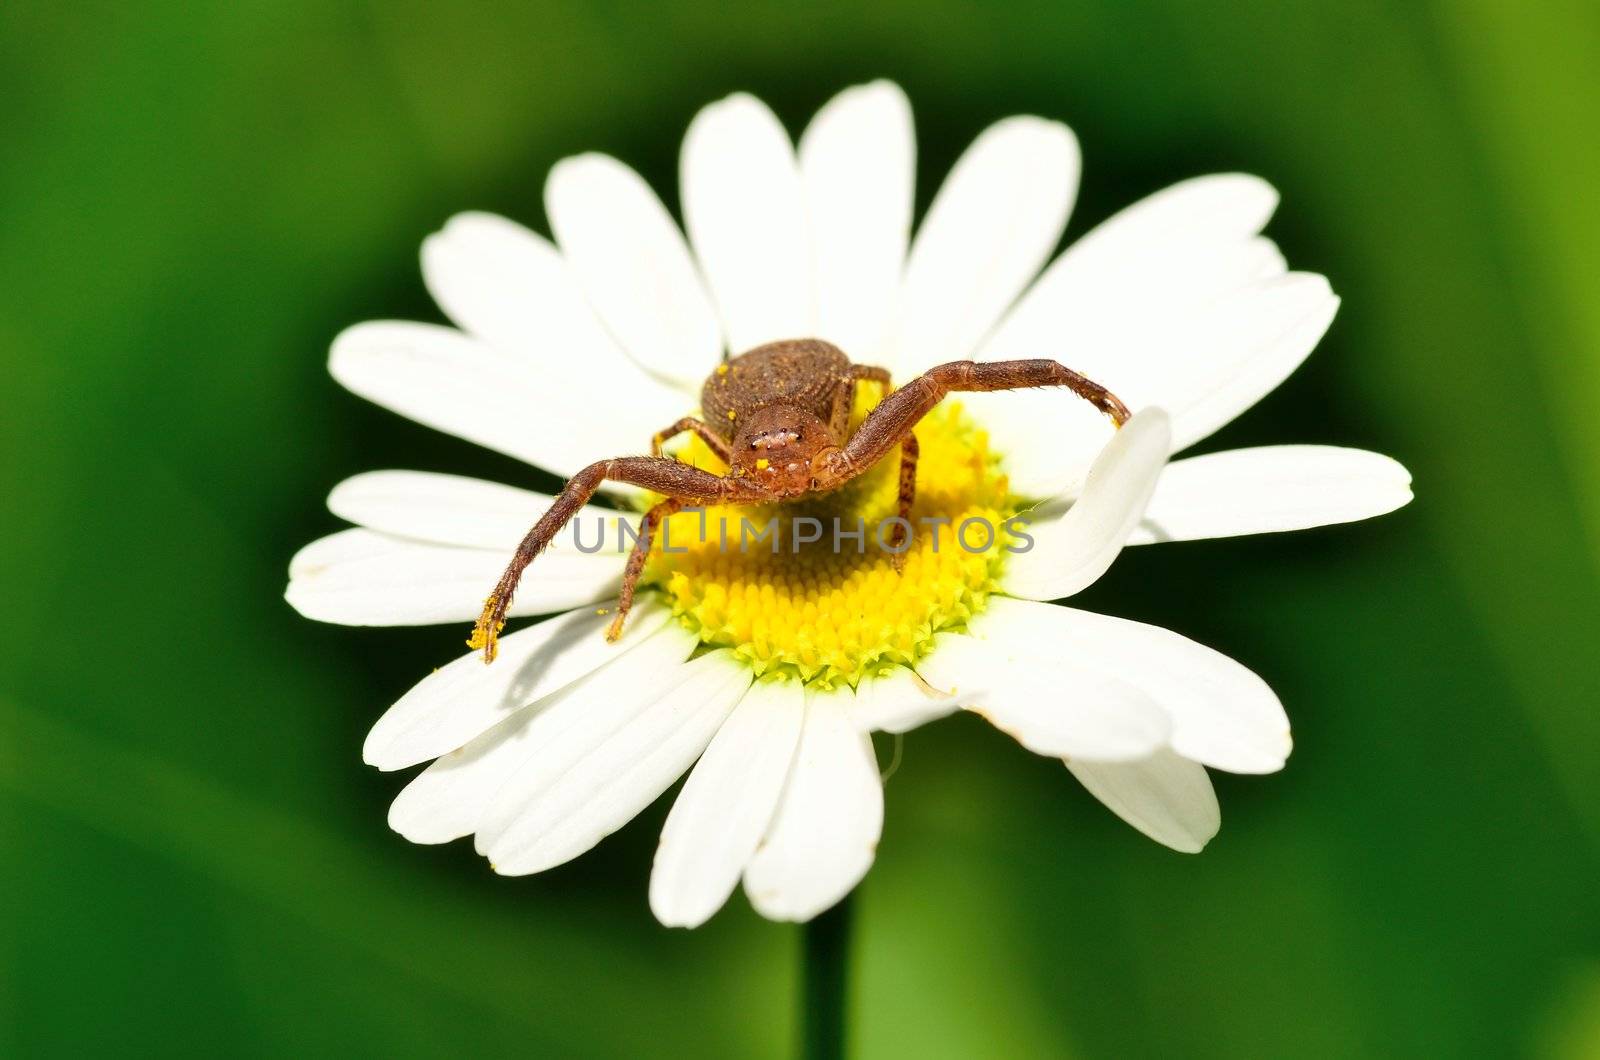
point(486, 633)
point(830, 614)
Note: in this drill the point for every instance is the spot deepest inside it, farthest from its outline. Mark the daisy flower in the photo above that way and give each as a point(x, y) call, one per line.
point(762, 676)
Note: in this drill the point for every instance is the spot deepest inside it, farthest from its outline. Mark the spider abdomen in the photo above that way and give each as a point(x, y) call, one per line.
point(799, 373)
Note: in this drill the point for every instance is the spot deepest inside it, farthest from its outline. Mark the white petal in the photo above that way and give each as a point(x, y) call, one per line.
point(458, 701)
point(1177, 249)
point(826, 830)
point(450, 798)
point(744, 206)
point(601, 771)
point(897, 701)
point(1122, 306)
point(726, 806)
point(1216, 209)
point(446, 800)
point(633, 263)
point(990, 228)
point(858, 161)
point(455, 510)
point(501, 398)
point(1204, 364)
point(1270, 489)
point(511, 288)
point(362, 578)
point(1057, 706)
point(497, 280)
point(1244, 348)
point(1165, 796)
point(1223, 715)
point(330, 551)
point(1070, 551)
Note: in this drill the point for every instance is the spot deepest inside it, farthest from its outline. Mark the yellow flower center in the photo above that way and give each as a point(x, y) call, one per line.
point(810, 588)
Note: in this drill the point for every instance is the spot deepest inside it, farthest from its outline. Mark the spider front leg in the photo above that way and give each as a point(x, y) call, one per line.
point(679, 482)
point(894, 418)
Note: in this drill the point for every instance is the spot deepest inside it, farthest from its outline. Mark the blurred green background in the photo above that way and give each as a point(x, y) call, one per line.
point(194, 198)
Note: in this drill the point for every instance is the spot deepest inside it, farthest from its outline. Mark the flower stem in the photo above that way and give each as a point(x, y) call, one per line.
point(825, 983)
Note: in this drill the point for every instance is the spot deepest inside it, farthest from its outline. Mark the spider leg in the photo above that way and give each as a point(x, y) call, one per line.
point(844, 399)
point(636, 559)
point(669, 477)
point(871, 373)
point(703, 430)
point(909, 451)
point(897, 414)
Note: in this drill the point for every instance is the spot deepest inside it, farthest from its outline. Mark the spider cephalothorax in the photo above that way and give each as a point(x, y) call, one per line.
point(779, 417)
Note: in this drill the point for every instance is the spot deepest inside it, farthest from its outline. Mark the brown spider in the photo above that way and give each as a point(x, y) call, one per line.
point(778, 416)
